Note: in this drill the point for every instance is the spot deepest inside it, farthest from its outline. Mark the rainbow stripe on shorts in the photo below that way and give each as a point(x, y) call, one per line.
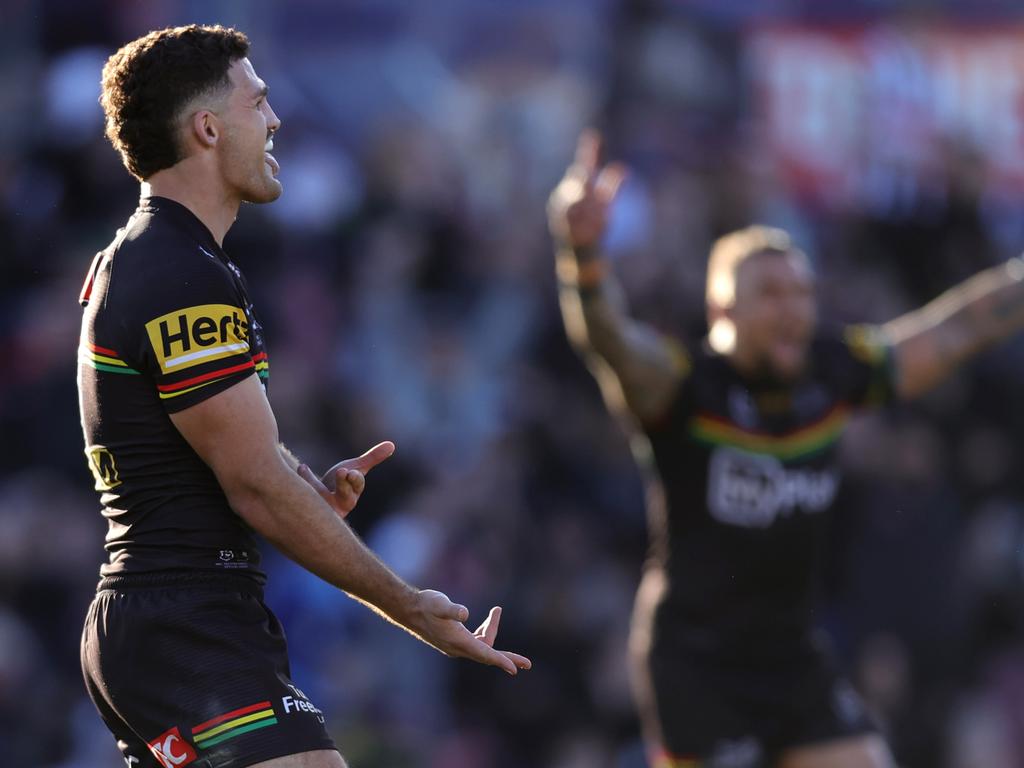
point(234, 723)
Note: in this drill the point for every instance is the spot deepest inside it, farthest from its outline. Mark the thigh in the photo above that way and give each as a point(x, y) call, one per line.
point(867, 751)
point(196, 676)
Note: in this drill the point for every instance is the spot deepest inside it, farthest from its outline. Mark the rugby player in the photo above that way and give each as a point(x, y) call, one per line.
point(183, 660)
point(743, 432)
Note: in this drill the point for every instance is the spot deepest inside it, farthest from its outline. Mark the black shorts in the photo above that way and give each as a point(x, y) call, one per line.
point(701, 709)
point(192, 670)
point(746, 717)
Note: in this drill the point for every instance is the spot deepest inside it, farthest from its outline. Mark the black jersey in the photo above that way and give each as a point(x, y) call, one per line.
point(750, 473)
point(167, 323)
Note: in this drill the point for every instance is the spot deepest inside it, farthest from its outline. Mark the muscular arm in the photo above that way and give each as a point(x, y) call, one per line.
point(235, 433)
point(931, 342)
point(636, 367)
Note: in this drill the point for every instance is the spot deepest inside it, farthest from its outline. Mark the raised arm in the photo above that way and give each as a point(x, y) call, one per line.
point(235, 433)
point(931, 342)
point(638, 368)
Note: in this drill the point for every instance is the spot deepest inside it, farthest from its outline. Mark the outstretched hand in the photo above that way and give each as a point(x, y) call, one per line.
point(578, 208)
point(440, 624)
point(343, 484)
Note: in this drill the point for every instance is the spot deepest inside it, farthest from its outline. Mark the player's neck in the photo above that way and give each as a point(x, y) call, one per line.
point(186, 183)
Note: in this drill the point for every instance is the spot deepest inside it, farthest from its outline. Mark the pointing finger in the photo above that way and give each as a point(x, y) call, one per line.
point(588, 154)
point(371, 458)
point(588, 149)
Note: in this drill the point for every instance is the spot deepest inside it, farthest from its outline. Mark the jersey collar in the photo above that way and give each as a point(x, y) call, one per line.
point(183, 218)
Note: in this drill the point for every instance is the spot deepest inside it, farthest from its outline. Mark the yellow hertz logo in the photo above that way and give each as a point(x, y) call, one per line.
point(197, 335)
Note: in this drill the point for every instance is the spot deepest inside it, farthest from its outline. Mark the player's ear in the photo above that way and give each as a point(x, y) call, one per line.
point(204, 128)
point(721, 328)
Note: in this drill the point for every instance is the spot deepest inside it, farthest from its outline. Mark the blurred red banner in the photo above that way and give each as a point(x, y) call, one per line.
point(844, 109)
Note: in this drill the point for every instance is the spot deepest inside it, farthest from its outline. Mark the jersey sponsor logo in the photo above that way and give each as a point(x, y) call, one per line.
point(300, 703)
point(130, 761)
point(232, 724)
point(104, 468)
point(172, 751)
point(197, 335)
point(753, 490)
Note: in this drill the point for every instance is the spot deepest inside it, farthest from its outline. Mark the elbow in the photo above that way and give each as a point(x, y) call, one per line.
point(255, 497)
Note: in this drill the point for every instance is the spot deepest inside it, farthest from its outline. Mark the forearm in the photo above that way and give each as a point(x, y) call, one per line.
point(646, 368)
point(593, 306)
point(936, 339)
point(292, 516)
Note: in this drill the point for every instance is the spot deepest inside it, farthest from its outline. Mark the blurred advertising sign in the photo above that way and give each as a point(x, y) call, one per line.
point(842, 107)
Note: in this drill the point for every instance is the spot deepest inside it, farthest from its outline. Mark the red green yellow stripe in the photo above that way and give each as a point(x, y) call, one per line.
point(190, 385)
point(815, 437)
point(234, 723)
point(104, 359)
point(262, 365)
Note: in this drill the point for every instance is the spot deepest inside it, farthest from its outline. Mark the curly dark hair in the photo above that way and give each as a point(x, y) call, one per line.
point(149, 81)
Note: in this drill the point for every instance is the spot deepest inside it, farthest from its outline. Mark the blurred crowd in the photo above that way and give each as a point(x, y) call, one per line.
point(405, 278)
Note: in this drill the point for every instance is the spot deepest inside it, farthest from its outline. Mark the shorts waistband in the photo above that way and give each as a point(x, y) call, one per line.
point(181, 579)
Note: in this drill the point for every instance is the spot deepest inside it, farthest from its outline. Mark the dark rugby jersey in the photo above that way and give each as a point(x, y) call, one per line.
point(750, 474)
point(167, 323)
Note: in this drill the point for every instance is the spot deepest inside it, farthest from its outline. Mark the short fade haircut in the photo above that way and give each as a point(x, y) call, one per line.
point(731, 250)
point(148, 83)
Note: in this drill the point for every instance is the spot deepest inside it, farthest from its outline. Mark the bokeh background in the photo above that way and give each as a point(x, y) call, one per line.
point(406, 282)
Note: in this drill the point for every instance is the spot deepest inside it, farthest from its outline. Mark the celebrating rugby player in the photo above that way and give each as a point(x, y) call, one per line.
point(182, 658)
point(743, 431)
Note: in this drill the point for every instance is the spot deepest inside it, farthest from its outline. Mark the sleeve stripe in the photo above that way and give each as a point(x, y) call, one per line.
point(204, 378)
point(169, 395)
point(101, 350)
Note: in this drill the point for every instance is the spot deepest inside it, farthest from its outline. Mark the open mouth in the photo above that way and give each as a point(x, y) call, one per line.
point(269, 159)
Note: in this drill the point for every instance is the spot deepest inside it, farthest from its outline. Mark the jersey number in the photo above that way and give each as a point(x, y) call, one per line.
point(101, 462)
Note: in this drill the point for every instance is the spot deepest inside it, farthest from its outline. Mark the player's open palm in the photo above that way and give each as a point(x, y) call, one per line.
point(578, 208)
point(343, 484)
point(442, 628)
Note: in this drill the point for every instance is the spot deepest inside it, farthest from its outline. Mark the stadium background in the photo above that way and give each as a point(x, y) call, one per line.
point(406, 281)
